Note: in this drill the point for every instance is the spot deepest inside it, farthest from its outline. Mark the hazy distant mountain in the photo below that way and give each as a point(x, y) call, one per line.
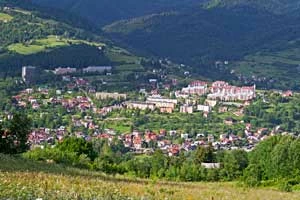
point(274, 6)
point(104, 12)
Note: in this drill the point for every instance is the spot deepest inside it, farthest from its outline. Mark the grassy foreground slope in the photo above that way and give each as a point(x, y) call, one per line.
point(24, 179)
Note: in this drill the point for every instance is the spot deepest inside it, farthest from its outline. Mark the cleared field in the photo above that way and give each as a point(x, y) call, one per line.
point(129, 67)
point(5, 17)
point(26, 49)
point(122, 56)
point(46, 44)
point(23, 179)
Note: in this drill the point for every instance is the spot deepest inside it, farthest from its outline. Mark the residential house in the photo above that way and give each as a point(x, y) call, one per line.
point(186, 109)
point(203, 108)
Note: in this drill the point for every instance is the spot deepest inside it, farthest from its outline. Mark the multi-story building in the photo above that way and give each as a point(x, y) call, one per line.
point(222, 91)
point(203, 108)
point(196, 88)
point(97, 69)
point(29, 74)
point(139, 105)
point(165, 104)
point(66, 70)
point(107, 95)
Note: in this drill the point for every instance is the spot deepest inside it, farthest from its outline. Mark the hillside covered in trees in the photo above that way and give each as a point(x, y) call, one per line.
point(259, 38)
point(259, 45)
point(103, 12)
point(30, 35)
point(272, 6)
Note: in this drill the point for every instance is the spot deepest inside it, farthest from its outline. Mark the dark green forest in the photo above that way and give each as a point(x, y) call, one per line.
point(103, 12)
point(26, 27)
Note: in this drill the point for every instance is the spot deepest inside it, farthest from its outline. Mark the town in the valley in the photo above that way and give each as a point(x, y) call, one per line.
point(75, 108)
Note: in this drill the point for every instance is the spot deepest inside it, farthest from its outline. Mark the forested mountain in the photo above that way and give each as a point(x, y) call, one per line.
point(217, 33)
point(200, 37)
point(273, 6)
point(103, 12)
point(259, 38)
point(30, 36)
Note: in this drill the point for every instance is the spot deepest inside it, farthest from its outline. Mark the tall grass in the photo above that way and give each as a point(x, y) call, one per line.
point(25, 179)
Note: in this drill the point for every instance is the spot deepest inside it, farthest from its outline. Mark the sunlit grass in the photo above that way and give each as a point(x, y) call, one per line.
point(24, 179)
point(5, 17)
point(48, 43)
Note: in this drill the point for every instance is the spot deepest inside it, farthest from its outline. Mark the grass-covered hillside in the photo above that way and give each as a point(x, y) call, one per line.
point(24, 179)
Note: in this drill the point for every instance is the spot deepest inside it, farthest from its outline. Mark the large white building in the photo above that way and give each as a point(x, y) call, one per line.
point(222, 91)
point(203, 108)
point(108, 95)
point(139, 105)
point(196, 88)
point(66, 70)
point(29, 74)
point(98, 69)
point(161, 102)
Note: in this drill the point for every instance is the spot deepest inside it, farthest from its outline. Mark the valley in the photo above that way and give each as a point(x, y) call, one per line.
point(162, 99)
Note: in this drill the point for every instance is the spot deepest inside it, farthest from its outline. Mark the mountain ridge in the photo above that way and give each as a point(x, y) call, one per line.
point(104, 12)
point(272, 6)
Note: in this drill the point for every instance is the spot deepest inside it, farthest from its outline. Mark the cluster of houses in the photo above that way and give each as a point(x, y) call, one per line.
point(185, 101)
point(218, 91)
point(29, 98)
point(41, 136)
point(148, 141)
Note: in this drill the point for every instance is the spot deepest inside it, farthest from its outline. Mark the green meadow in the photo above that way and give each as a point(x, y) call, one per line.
point(25, 179)
point(5, 17)
point(46, 44)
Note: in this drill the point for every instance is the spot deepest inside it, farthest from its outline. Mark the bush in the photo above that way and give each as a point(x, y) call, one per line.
point(285, 186)
point(252, 175)
point(58, 156)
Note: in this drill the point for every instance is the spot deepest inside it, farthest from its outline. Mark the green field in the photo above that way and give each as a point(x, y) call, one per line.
point(46, 44)
point(5, 17)
point(129, 68)
point(24, 179)
point(122, 56)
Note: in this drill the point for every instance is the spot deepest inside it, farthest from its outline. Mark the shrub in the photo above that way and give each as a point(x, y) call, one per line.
point(285, 186)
